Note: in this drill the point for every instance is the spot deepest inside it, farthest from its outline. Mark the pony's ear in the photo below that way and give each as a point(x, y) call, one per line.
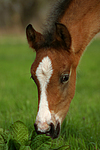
point(63, 36)
point(33, 37)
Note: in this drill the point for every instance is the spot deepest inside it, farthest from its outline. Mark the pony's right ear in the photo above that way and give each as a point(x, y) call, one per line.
point(63, 36)
point(33, 37)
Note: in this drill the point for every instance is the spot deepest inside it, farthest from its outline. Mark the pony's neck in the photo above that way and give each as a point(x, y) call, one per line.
point(82, 19)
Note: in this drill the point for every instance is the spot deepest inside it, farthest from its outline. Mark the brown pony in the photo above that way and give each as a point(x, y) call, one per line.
point(70, 27)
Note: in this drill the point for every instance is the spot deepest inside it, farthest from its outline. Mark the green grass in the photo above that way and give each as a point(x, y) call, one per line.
point(18, 97)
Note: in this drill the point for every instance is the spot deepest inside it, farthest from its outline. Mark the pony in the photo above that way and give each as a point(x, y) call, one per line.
point(71, 26)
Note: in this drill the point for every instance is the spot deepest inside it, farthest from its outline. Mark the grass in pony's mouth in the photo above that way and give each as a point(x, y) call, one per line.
point(18, 100)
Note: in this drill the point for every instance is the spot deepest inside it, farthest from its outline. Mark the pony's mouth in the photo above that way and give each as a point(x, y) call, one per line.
point(53, 131)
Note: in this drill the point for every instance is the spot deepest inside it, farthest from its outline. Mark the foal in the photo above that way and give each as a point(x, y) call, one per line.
point(70, 27)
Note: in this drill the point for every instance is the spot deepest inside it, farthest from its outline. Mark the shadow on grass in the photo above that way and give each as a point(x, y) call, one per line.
point(81, 135)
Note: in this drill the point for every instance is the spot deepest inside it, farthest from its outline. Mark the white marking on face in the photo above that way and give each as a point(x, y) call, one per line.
point(44, 73)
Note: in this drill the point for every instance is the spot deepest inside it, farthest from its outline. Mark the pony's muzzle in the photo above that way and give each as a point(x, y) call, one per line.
point(50, 130)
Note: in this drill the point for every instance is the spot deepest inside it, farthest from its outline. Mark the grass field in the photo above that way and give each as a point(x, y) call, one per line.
point(18, 98)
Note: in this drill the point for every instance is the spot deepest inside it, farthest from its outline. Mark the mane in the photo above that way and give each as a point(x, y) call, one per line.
point(57, 11)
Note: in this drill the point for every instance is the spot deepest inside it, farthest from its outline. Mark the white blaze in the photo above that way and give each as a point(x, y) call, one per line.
point(44, 73)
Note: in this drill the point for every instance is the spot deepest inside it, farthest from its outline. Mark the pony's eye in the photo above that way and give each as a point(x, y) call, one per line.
point(64, 78)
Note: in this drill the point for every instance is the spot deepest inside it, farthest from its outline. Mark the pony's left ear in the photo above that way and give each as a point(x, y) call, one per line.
point(63, 36)
point(33, 37)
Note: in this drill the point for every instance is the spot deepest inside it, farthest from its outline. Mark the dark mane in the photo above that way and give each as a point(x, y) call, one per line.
point(57, 11)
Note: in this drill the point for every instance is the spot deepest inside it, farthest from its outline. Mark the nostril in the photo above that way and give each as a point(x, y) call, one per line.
point(54, 131)
point(58, 129)
point(36, 128)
